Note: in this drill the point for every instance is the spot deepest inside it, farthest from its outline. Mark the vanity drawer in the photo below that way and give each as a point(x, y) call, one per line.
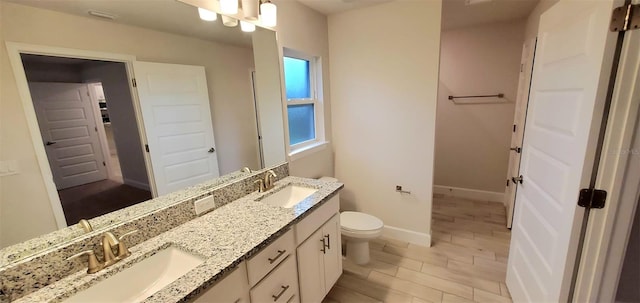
point(270, 257)
point(280, 286)
point(316, 219)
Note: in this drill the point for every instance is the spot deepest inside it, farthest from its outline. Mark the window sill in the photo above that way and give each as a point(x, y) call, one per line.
point(302, 152)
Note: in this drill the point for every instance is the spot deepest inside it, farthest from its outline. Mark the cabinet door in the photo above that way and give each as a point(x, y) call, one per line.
point(333, 256)
point(234, 288)
point(311, 268)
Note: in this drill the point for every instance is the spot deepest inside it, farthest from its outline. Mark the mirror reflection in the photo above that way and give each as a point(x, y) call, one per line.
point(116, 102)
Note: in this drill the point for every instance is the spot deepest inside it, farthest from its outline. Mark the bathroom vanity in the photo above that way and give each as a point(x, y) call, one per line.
point(276, 246)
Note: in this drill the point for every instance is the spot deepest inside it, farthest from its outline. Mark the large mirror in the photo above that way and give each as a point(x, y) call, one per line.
point(107, 104)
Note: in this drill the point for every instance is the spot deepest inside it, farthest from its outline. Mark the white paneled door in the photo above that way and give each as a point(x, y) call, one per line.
point(563, 118)
point(175, 109)
point(69, 132)
point(519, 118)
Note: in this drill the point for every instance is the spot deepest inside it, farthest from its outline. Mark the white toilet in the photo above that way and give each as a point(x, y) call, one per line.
point(357, 230)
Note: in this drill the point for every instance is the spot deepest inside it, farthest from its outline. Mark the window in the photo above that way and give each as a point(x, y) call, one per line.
point(303, 106)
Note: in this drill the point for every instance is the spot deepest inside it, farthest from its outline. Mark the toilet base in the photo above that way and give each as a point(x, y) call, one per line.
point(358, 251)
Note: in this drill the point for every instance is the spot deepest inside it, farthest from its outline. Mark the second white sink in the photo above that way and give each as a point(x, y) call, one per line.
point(141, 280)
point(289, 196)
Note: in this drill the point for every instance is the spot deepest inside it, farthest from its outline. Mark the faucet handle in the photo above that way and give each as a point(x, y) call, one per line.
point(93, 264)
point(123, 249)
point(260, 185)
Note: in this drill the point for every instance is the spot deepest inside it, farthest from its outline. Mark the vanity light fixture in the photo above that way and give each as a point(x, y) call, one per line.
point(250, 9)
point(247, 27)
point(229, 21)
point(229, 7)
point(268, 14)
point(207, 15)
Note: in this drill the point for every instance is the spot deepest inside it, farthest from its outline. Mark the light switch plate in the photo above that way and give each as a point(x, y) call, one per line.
point(204, 205)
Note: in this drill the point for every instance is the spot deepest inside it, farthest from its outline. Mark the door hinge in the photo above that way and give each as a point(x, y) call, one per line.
point(96, 128)
point(133, 81)
point(146, 147)
point(592, 198)
point(104, 164)
point(625, 18)
point(508, 182)
point(514, 128)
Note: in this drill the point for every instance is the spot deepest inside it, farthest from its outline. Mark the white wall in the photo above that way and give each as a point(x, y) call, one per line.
point(23, 195)
point(269, 97)
point(303, 29)
point(115, 84)
point(472, 141)
point(384, 81)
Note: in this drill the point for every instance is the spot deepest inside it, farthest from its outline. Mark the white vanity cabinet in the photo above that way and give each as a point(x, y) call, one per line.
point(300, 266)
point(320, 254)
point(234, 288)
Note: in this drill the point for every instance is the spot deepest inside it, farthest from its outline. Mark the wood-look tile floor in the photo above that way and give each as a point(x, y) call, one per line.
point(466, 262)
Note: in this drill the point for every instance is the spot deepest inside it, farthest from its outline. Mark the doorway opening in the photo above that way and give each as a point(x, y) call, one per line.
point(87, 122)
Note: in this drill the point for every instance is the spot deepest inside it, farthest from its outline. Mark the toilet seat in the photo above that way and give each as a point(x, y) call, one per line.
point(359, 223)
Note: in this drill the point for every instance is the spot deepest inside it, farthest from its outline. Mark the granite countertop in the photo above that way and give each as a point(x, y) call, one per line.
point(224, 237)
point(60, 237)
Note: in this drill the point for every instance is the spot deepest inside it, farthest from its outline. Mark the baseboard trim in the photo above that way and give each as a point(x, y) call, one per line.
point(136, 184)
point(406, 235)
point(469, 193)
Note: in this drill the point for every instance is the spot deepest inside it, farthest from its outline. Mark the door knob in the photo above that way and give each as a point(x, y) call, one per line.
point(516, 180)
point(516, 149)
point(51, 143)
point(211, 150)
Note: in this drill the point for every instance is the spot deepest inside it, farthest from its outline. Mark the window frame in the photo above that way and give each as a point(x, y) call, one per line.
point(315, 99)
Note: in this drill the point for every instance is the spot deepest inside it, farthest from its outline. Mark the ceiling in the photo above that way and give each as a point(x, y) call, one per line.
point(329, 7)
point(162, 15)
point(456, 14)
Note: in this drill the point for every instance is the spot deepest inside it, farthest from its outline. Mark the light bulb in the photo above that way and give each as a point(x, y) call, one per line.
point(247, 27)
point(229, 21)
point(269, 16)
point(229, 7)
point(207, 15)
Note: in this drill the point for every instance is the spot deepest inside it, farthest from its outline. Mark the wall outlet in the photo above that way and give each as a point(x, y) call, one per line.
point(8, 167)
point(204, 205)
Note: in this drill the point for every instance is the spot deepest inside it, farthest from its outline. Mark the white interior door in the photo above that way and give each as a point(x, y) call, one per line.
point(569, 84)
point(69, 131)
point(175, 109)
point(524, 81)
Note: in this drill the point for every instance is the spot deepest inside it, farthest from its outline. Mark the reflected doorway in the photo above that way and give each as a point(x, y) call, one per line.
point(87, 122)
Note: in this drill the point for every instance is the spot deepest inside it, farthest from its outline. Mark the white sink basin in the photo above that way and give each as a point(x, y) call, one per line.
point(141, 280)
point(289, 196)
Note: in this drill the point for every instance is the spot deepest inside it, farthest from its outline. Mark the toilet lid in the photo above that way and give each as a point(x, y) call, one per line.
point(357, 221)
